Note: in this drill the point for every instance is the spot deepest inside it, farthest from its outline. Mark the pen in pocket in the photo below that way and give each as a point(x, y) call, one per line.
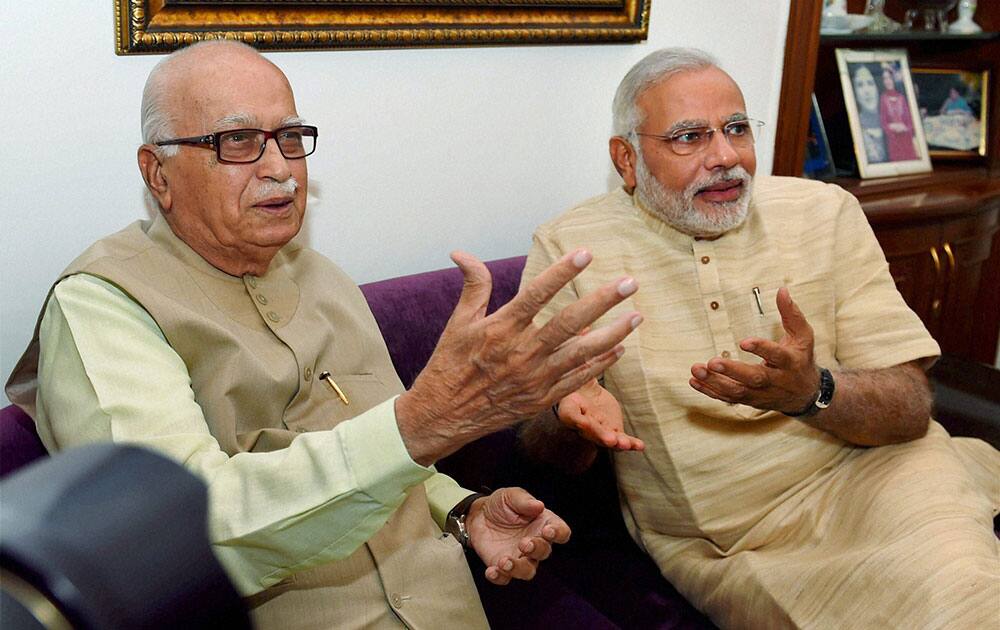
point(756, 299)
point(325, 376)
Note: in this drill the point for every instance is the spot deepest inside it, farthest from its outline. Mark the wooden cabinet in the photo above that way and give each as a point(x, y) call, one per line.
point(943, 269)
point(914, 254)
point(940, 231)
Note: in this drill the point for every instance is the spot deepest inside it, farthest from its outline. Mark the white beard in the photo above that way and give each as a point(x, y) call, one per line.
point(677, 209)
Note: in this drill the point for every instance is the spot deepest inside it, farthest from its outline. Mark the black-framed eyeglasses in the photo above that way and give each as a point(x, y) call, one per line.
point(243, 146)
point(740, 134)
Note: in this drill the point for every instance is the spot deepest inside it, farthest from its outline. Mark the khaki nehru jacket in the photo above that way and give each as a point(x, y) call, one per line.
point(254, 348)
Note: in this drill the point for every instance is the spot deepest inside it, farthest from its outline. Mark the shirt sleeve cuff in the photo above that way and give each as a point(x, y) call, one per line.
point(375, 452)
point(443, 494)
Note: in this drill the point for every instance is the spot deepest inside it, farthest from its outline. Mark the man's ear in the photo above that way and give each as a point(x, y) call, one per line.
point(624, 158)
point(151, 169)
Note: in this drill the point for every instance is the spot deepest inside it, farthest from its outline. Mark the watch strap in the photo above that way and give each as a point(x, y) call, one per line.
point(454, 523)
point(824, 396)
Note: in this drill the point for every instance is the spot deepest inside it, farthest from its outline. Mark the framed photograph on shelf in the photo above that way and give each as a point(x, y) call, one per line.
point(954, 110)
point(819, 159)
point(883, 114)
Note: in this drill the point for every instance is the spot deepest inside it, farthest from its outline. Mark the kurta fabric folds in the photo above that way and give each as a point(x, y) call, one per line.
point(316, 509)
point(759, 519)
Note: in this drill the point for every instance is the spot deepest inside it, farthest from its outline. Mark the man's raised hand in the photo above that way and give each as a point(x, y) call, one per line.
point(785, 380)
point(488, 372)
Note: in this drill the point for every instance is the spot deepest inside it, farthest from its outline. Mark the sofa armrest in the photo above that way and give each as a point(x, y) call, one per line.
point(967, 398)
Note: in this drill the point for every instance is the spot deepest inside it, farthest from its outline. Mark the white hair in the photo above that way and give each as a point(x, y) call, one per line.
point(652, 69)
point(156, 119)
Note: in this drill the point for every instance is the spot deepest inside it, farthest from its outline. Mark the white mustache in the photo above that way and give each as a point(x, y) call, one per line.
point(733, 174)
point(271, 188)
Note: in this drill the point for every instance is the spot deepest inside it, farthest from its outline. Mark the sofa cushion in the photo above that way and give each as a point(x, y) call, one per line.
point(19, 443)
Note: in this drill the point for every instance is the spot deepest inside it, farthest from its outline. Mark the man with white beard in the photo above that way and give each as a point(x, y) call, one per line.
point(756, 492)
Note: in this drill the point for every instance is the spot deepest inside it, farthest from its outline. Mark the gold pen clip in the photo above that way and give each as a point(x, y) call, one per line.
point(756, 298)
point(325, 376)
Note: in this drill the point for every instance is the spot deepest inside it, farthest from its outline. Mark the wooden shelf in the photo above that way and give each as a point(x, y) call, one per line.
point(906, 36)
point(809, 65)
point(940, 231)
point(944, 193)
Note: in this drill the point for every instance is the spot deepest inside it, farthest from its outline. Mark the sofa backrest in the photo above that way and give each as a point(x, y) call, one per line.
point(412, 311)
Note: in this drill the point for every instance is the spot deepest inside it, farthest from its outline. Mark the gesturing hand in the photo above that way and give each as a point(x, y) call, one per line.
point(489, 372)
point(512, 532)
point(596, 415)
point(786, 380)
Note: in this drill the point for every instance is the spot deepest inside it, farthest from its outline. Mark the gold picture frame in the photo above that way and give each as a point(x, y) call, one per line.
point(954, 107)
point(161, 26)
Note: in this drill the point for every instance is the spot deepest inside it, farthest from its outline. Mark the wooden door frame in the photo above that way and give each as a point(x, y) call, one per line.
point(797, 78)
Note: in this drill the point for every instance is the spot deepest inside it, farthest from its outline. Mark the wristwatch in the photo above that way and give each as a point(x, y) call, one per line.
point(454, 523)
point(823, 397)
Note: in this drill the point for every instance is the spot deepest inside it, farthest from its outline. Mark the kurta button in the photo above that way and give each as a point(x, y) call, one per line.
point(714, 305)
point(725, 354)
point(252, 281)
point(308, 374)
point(274, 317)
point(705, 260)
point(261, 299)
point(397, 601)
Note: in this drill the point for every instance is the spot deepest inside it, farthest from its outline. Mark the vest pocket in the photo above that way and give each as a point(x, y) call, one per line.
point(343, 396)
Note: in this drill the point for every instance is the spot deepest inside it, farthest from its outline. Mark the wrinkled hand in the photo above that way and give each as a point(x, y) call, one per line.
point(596, 415)
point(512, 532)
point(786, 380)
point(490, 372)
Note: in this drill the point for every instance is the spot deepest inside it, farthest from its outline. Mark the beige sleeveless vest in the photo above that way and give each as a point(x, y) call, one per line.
point(255, 347)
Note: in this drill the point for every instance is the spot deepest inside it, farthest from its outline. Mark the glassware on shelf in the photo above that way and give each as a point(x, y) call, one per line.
point(837, 21)
point(881, 23)
point(934, 12)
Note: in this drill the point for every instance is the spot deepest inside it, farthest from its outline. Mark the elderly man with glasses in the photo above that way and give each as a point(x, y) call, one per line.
point(776, 352)
point(207, 335)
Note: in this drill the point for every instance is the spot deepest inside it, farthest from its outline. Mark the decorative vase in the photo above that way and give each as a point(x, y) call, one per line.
point(965, 25)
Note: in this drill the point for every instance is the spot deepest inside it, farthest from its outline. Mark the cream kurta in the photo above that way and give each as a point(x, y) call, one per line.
point(760, 520)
